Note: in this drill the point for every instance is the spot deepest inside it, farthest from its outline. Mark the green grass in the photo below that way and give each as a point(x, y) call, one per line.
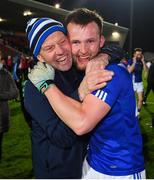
point(148, 136)
point(16, 161)
point(16, 158)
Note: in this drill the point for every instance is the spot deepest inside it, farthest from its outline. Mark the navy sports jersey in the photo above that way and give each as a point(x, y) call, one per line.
point(137, 73)
point(115, 146)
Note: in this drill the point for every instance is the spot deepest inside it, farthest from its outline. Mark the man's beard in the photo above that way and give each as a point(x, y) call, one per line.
point(79, 68)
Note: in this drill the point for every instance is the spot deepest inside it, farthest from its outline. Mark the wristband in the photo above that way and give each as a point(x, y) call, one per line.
point(46, 85)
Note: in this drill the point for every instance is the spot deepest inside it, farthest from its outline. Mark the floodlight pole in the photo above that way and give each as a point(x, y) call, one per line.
point(131, 26)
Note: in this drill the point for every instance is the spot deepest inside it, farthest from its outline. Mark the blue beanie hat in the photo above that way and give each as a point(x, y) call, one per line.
point(38, 29)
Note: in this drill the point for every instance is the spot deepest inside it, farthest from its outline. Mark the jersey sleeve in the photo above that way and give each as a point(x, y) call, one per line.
point(110, 93)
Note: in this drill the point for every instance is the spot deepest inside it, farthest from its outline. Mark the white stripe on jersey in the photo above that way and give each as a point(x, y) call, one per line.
point(104, 97)
point(101, 95)
point(97, 93)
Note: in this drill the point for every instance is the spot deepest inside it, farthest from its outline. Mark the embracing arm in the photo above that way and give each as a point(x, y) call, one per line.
point(96, 78)
point(80, 117)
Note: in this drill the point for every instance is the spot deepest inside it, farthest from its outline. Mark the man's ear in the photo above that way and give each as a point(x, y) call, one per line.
point(102, 41)
point(40, 58)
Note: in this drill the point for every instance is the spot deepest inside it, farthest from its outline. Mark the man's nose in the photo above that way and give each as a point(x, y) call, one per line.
point(83, 48)
point(59, 49)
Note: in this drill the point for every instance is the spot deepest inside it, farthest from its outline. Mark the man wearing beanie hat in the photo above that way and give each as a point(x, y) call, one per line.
point(38, 29)
point(57, 152)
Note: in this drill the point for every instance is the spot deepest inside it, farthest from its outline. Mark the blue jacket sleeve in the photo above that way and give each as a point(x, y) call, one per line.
point(43, 115)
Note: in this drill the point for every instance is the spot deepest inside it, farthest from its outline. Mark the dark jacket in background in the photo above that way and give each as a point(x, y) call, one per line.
point(8, 91)
point(57, 151)
point(150, 78)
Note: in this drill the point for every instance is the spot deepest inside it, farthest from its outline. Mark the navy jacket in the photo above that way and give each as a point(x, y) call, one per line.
point(57, 151)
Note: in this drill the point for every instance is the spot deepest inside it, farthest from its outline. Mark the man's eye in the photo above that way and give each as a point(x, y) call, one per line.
point(91, 41)
point(75, 42)
point(49, 48)
point(63, 41)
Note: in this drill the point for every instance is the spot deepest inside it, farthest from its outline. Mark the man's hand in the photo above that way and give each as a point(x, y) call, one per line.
point(134, 60)
point(142, 59)
point(97, 63)
point(42, 76)
point(94, 80)
point(96, 77)
point(144, 66)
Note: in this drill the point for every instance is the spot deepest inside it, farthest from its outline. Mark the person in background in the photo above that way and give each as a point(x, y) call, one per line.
point(150, 82)
point(57, 152)
point(3, 62)
point(136, 67)
point(8, 91)
point(17, 74)
point(23, 66)
point(20, 82)
point(9, 63)
point(115, 145)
